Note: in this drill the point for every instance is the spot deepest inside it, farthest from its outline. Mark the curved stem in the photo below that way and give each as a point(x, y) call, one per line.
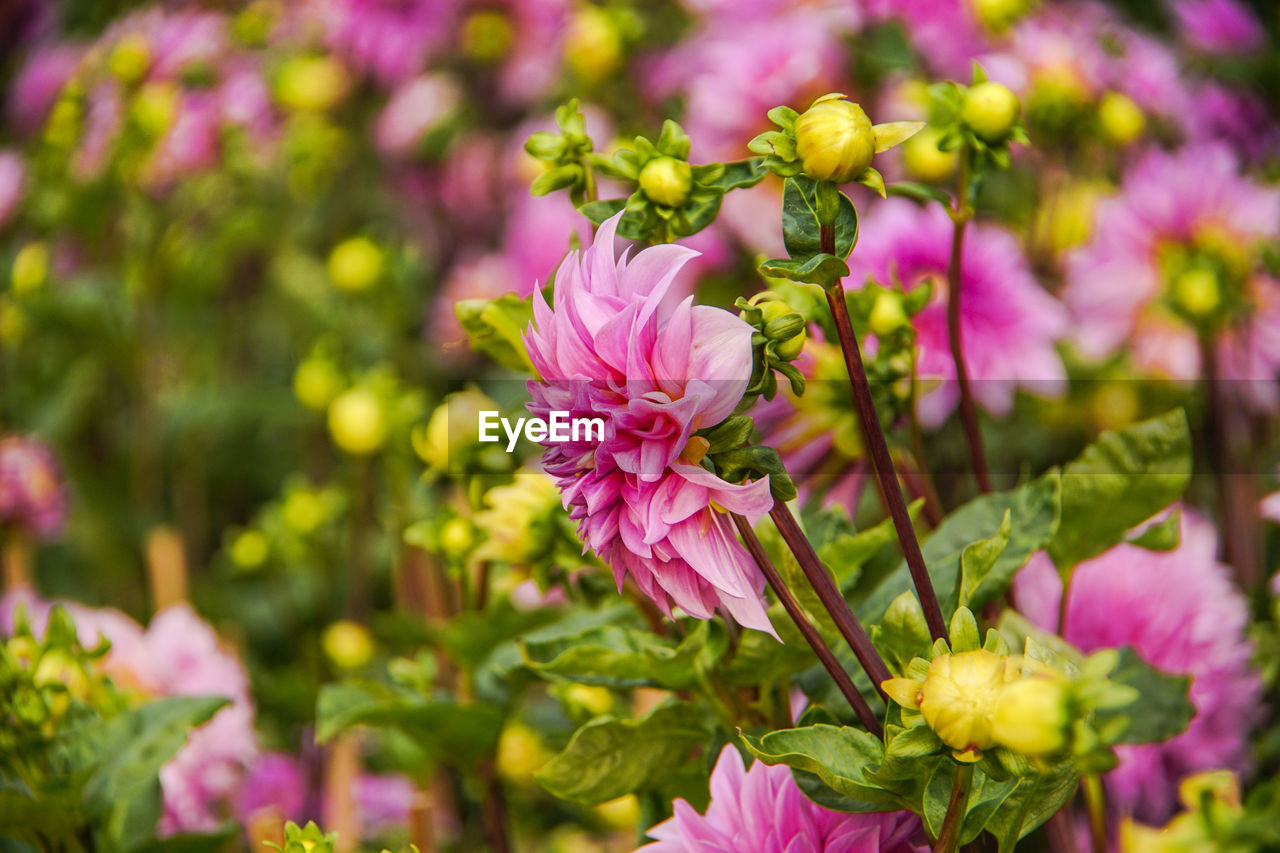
point(810, 633)
point(968, 412)
point(1236, 503)
point(1095, 802)
point(879, 451)
point(949, 836)
point(830, 596)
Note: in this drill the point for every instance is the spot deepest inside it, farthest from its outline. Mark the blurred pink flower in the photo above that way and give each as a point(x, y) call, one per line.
point(1219, 26)
point(276, 781)
point(38, 84)
point(103, 120)
point(192, 144)
point(384, 802)
point(388, 39)
point(32, 496)
point(1180, 611)
point(1235, 116)
point(617, 346)
point(1195, 201)
point(1009, 323)
point(244, 99)
point(415, 108)
point(761, 810)
point(945, 33)
point(12, 180)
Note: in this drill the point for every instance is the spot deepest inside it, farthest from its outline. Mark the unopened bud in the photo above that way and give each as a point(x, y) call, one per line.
point(486, 35)
point(456, 537)
point(130, 59)
point(1120, 118)
point(30, 268)
point(357, 422)
point(924, 160)
point(959, 698)
point(155, 107)
point(311, 83)
point(592, 44)
point(316, 383)
point(347, 644)
point(1031, 715)
point(789, 335)
point(355, 264)
point(666, 180)
point(990, 110)
point(887, 314)
point(834, 140)
point(1197, 292)
point(249, 550)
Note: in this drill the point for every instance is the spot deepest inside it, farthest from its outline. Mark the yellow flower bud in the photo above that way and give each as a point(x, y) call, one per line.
point(249, 550)
point(155, 107)
point(789, 349)
point(453, 426)
point(304, 511)
point(959, 697)
point(30, 268)
point(316, 383)
point(130, 58)
point(887, 315)
point(486, 35)
point(13, 324)
point(1197, 292)
point(622, 813)
point(456, 537)
point(997, 15)
point(357, 422)
point(666, 180)
point(592, 699)
point(355, 264)
point(592, 44)
point(1120, 118)
point(520, 753)
point(347, 644)
point(990, 110)
point(311, 83)
point(924, 160)
point(1031, 715)
point(834, 140)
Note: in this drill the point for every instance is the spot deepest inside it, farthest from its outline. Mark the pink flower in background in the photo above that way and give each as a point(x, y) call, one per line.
point(244, 99)
point(1192, 201)
point(618, 346)
point(945, 33)
point(384, 801)
point(190, 145)
point(415, 108)
point(1270, 507)
point(178, 655)
point(1008, 322)
point(761, 810)
point(38, 84)
point(388, 39)
point(1235, 116)
point(1180, 611)
point(12, 180)
point(1219, 26)
point(32, 496)
point(276, 781)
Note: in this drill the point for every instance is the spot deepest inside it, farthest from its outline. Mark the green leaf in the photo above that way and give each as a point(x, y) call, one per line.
point(903, 633)
point(741, 174)
point(609, 757)
point(843, 758)
point(453, 732)
point(821, 270)
point(627, 657)
point(1161, 710)
point(801, 223)
point(918, 192)
point(122, 794)
point(1122, 479)
point(188, 843)
point(1164, 536)
point(496, 327)
point(600, 211)
point(978, 558)
point(1033, 511)
point(937, 795)
point(1034, 800)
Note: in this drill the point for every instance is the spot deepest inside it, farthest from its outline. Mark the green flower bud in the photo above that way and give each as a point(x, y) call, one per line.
point(249, 550)
point(924, 160)
point(355, 264)
point(1031, 715)
point(1197, 292)
point(456, 537)
point(887, 314)
point(592, 44)
point(348, 645)
point(834, 140)
point(316, 382)
point(997, 15)
point(130, 59)
point(990, 110)
point(1120, 118)
point(790, 347)
point(486, 35)
point(30, 268)
point(666, 180)
point(311, 83)
point(155, 107)
point(357, 422)
point(452, 427)
point(304, 511)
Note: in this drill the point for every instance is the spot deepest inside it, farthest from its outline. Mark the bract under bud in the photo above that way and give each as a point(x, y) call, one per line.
point(666, 180)
point(990, 110)
point(834, 140)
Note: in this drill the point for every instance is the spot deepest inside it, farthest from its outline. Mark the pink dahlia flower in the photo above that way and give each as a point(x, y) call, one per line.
point(415, 109)
point(38, 84)
point(276, 781)
point(1191, 204)
point(12, 179)
point(945, 33)
point(1219, 26)
point(617, 346)
point(1180, 611)
point(178, 655)
point(32, 497)
point(389, 39)
point(1008, 322)
point(761, 810)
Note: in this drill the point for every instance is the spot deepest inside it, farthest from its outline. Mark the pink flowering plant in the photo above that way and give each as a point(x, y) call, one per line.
point(647, 427)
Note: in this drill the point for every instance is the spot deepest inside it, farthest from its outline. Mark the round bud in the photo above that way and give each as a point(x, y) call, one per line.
point(1120, 118)
point(311, 83)
point(486, 35)
point(593, 699)
point(1197, 292)
point(456, 537)
point(304, 511)
point(1031, 716)
point(997, 15)
point(834, 140)
point(316, 382)
point(357, 422)
point(347, 644)
point(887, 314)
point(452, 427)
point(990, 110)
point(592, 44)
point(355, 264)
point(520, 753)
point(666, 180)
point(155, 107)
point(789, 349)
point(30, 268)
point(622, 813)
point(130, 59)
point(958, 699)
point(249, 550)
point(924, 160)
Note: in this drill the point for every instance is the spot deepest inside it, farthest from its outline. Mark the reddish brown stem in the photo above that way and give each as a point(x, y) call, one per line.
point(830, 596)
point(968, 412)
point(810, 633)
point(1236, 502)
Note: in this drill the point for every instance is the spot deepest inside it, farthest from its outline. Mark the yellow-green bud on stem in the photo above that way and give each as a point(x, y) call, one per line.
point(130, 58)
point(1197, 292)
point(666, 180)
point(834, 140)
point(887, 315)
point(1120, 118)
point(355, 264)
point(790, 340)
point(456, 537)
point(990, 110)
point(30, 268)
point(1031, 715)
point(924, 160)
point(357, 422)
point(347, 644)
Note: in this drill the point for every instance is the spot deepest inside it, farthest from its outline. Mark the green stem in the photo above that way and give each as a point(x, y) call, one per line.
point(1095, 801)
point(960, 216)
point(949, 836)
